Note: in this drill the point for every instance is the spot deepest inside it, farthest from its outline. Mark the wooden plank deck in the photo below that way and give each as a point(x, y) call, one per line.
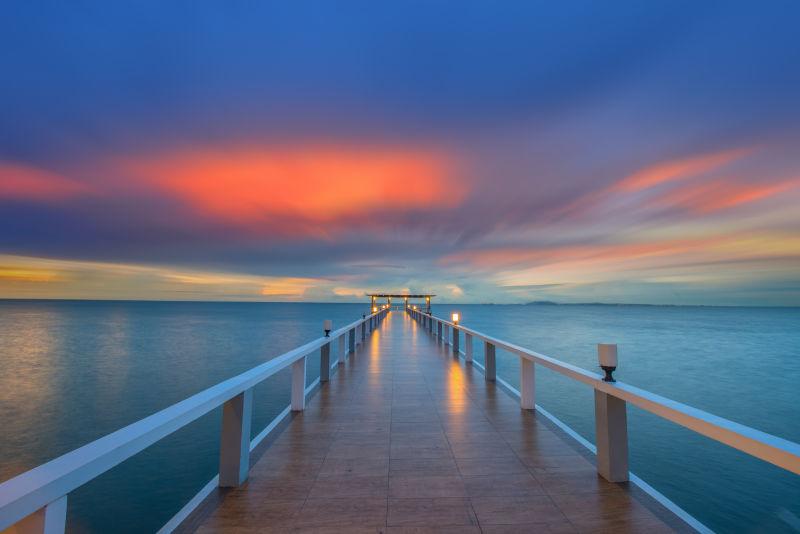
point(408, 438)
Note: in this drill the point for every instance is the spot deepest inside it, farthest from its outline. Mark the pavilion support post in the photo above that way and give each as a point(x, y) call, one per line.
point(234, 450)
point(489, 362)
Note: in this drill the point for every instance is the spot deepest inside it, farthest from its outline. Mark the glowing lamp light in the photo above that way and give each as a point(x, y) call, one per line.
point(455, 318)
point(374, 309)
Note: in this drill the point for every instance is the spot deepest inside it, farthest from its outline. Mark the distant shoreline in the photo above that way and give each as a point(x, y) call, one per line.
point(435, 304)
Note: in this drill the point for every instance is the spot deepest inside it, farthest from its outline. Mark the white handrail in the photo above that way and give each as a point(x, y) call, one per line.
point(767, 447)
point(31, 491)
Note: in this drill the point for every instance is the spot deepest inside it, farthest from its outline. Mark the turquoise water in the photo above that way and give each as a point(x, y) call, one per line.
point(75, 371)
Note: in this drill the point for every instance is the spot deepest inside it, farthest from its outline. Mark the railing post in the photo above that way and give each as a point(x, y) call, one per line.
point(363, 331)
point(352, 340)
point(611, 434)
point(234, 450)
point(342, 354)
point(468, 347)
point(438, 330)
point(611, 423)
point(527, 384)
point(490, 368)
point(325, 362)
point(446, 336)
point(455, 341)
point(299, 385)
point(51, 519)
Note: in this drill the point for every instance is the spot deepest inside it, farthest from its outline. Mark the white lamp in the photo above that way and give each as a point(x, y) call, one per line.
point(607, 356)
point(327, 325)
point(455, 318)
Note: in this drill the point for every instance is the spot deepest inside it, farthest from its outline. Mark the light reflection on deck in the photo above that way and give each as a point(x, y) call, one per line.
point(407, 435)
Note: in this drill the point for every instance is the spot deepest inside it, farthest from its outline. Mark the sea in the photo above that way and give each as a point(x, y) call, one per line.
point(74, 371)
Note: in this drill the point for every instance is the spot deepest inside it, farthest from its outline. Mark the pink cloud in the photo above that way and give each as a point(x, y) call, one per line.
point(22, 182)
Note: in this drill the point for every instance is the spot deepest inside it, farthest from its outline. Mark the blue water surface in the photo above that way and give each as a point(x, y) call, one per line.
point(74, 371)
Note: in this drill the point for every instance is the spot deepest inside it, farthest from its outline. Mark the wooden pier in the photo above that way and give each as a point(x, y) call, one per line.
point(402, 432)
point(409, 438)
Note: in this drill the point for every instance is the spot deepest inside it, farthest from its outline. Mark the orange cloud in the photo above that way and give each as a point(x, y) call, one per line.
point(675, 170)
point(514, 257)
point(721, 194)
point(316, 185)
point(22, 182)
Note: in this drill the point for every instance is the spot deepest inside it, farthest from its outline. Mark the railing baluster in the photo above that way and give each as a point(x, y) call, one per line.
point(234, 450)
point(342, 355)
point(527, 383)
point(299, 385)
point(468, 347)
point(490, 369)
point(52, 519)
point(438, 330)
point(455, 341)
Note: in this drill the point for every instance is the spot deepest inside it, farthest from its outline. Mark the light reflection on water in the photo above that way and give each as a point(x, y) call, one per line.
point(75, 371)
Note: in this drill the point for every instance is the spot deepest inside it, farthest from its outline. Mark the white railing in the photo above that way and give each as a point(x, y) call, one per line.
point(611, 400)
point(36, 501)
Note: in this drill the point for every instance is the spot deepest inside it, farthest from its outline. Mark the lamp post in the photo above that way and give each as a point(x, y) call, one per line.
point(456, 349)
point(607, 356)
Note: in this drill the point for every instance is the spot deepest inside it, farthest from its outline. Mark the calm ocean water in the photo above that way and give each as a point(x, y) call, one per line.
point(74, 371)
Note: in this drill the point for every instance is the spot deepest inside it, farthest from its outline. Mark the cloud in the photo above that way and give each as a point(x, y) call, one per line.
point(29, 277)
point(301, 189)
point(679, 169)
point(717, 195)
point(23, 182)
point(350, 291)
point(455, 290)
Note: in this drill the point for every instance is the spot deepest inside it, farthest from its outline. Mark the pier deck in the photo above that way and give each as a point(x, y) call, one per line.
point(408, 438)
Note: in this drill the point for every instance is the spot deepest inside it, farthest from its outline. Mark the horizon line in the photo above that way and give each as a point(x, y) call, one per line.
point(532, 303)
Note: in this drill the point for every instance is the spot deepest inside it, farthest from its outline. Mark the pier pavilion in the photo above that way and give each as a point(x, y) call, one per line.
point(406, 298)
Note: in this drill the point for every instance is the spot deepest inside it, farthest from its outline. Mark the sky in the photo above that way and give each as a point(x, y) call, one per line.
point(504, 152)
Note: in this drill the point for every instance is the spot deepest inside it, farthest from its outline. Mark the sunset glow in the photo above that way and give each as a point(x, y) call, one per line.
point(312, 184)
point(512, 154)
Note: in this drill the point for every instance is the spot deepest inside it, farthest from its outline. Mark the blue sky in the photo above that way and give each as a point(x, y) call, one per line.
point(578, 151)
